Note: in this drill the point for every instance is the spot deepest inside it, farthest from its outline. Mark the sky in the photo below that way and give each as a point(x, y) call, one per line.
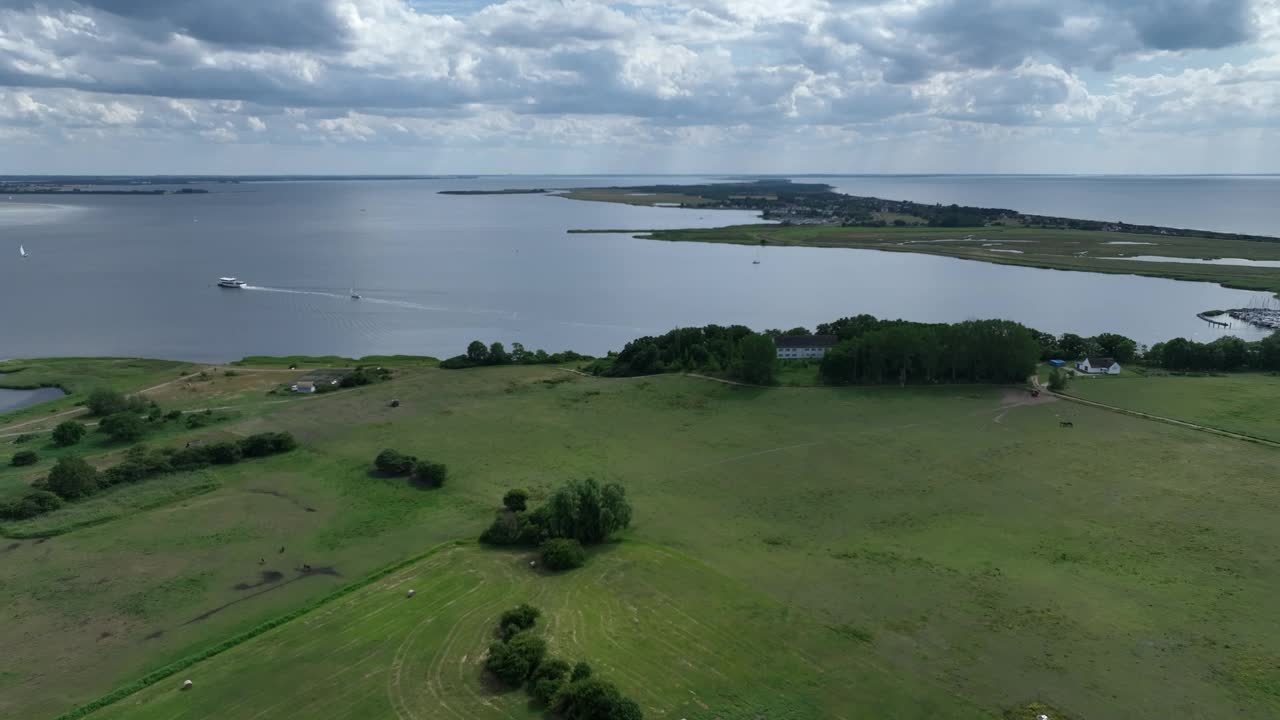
point(647, 86)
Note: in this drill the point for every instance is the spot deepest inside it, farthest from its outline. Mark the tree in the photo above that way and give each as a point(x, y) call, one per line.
point(431, 473)
point(563, 554)
point(123, 427)
point(498, 355)
point(591, 699)
point(518, 619)
point(477, 353)
point(73, 478)
point(516, 500)
point(1072, 346)
point(1119, 347)
point(24, 457)
point(392, 462)
point(68, 433)
point(581, 671)
point(545, 682)
point(1058, 380)
point(530, 648)
point(1269, 352)
point(758, 360)
point(31, 505)
point(506, 664)
point(103, 402)
point(586, 512)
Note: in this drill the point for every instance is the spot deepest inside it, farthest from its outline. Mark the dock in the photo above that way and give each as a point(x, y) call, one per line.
point(1259, 317)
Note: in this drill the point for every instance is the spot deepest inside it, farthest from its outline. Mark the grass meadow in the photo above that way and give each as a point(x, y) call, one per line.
point(796, 552)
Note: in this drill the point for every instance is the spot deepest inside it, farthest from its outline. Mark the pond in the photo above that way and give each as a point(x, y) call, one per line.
point(1201, 261)
point(17, 399)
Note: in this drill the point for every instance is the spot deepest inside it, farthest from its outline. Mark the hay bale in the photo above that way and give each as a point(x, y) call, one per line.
point(410, 593)
point(186, 684)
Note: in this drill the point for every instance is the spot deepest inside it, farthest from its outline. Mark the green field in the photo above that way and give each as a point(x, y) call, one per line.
point(1246, 403)
point(1085, 250)
point(79, 376)
point(796, 552)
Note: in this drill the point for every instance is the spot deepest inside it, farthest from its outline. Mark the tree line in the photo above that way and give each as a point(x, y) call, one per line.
point(1225, 354)
point(871, 351)
point(72, 478)
point(734, 351)
point(478, 355)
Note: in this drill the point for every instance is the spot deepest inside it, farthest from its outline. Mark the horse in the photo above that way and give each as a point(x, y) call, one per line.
point(1065, 424)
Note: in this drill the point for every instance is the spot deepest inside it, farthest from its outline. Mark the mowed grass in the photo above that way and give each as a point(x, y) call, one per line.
point(668, 631)
point(954, 539)
point(1247, 403)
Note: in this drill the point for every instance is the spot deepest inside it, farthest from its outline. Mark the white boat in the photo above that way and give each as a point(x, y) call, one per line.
point(230, 282)
point(354, 295)
point(22, 251)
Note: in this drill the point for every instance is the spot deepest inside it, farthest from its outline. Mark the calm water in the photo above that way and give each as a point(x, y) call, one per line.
point(135, 275)
point(18, 399)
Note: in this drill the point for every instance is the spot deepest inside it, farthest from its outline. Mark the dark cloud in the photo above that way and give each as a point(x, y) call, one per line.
point(1190, 24)
point(289, 24)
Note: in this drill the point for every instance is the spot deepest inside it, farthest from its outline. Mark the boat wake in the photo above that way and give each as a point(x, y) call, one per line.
point(383, 301)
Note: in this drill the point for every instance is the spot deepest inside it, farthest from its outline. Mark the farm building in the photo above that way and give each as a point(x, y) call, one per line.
point(791, 347)
point(1099, 366)
point(303, 386)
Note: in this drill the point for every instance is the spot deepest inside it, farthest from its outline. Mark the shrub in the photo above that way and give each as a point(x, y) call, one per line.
point(68, 433)
point(530, 648)
point(591, 699)
point(73, 478)
point(123, 427)
point(545, 682)
point(223, 453)
point(1058, 380)
point(268, 443)
point(563, 554)
point(521, 617)
point(103, 402)
point(506, 664)
point(392, 462)
point(31, 505)
point(516, 500)
point(581, 671)
point(24, 438)
point(24, 457)
point(173, 415)
point(505, 529)
point(192, 458)
point(432, 473)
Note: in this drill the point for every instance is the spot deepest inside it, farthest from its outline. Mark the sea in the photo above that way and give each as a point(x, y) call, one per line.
point(116, 275)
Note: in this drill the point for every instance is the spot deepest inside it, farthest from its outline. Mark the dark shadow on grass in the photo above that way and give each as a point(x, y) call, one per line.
point(267, 577)
point(303, 573)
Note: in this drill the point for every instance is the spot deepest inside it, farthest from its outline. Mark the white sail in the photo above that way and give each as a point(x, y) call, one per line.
point(22, 251)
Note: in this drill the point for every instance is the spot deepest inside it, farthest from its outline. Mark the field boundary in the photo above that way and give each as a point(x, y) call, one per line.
point(177, 666)
point(1168, 420)
point(194, 491)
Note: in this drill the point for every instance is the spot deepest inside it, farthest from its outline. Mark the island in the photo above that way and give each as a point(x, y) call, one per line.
point(508, 191)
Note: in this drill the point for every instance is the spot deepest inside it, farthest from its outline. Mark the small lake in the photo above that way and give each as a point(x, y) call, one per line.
point(135, 276)
point(17, 399)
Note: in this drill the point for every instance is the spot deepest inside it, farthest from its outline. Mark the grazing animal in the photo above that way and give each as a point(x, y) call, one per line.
point(262, 561)
point(281, 549)
point(1066, 424)
point(306, 568)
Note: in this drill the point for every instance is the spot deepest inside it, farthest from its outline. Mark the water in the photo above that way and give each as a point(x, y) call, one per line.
point(1200, 261)
point(18, 399)
point(1239, 204)
point(134, 276)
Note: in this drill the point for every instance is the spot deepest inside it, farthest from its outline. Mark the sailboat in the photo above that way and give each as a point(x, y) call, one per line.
point(22, 251)
point(354, 295)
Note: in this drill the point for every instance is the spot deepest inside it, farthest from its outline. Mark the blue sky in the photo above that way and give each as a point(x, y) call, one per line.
point(576, 86)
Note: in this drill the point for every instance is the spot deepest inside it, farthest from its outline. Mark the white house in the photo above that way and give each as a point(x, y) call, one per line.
point(792, 347)
point(1099, 366)
point(304, 386)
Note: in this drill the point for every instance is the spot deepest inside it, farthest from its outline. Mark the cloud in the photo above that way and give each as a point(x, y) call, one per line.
point(647, 72)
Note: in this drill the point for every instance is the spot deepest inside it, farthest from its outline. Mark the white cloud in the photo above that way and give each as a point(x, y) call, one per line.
point(704, 74)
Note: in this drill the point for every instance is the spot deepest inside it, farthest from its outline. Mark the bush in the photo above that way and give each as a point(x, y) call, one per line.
point(546, 682)
point(24, 457)
point(563, 554)
point(31, 505)
point(73, 478)
point(530, 648)
point(505, 529)
point(581, 671)
point(223, 453)
point(506, 664)
point(516, 500)
point(591, 699)
point(103, 402)
point(173, 415)
point(1058, 380)
point(192, 458)
point(68, 433)
point(392, 462)
point(268, 443)
point(522, 617)
point(433, 474)
point(24, 438)
point(123, 427)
